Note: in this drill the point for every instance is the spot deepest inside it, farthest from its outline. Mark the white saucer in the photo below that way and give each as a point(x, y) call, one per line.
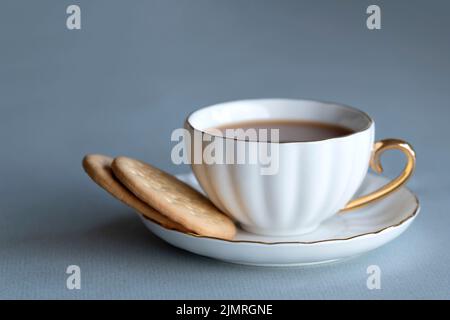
point(341, 236)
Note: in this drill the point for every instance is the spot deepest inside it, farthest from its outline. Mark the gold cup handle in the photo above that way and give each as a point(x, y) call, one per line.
point(375, 164)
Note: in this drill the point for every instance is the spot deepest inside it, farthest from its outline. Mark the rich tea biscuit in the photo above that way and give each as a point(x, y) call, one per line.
point(173, 198)
point(98, 167)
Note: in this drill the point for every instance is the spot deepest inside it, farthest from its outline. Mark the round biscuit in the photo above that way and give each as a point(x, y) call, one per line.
point(98, 167)
point(173, 198)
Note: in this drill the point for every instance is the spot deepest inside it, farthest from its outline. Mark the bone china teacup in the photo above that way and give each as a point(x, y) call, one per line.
point(314, 179)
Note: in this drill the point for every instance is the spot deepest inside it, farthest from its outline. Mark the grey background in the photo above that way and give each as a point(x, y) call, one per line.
point(120, 86)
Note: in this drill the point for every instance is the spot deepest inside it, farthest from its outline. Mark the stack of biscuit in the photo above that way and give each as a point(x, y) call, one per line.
point(158, 196)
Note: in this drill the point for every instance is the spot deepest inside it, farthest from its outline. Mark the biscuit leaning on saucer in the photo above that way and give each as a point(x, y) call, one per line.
point(173, 198)
point(98, 167)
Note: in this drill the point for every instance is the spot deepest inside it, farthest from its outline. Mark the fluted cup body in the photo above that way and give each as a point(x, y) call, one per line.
point(313, 180)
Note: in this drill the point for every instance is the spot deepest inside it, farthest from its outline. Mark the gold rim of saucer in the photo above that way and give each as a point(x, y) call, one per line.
point(412, 215)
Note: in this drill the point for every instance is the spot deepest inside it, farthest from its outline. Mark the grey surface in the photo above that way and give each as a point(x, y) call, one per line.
point(131, 75)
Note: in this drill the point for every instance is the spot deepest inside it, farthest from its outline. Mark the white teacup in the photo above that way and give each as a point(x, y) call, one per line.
point(314, 180)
